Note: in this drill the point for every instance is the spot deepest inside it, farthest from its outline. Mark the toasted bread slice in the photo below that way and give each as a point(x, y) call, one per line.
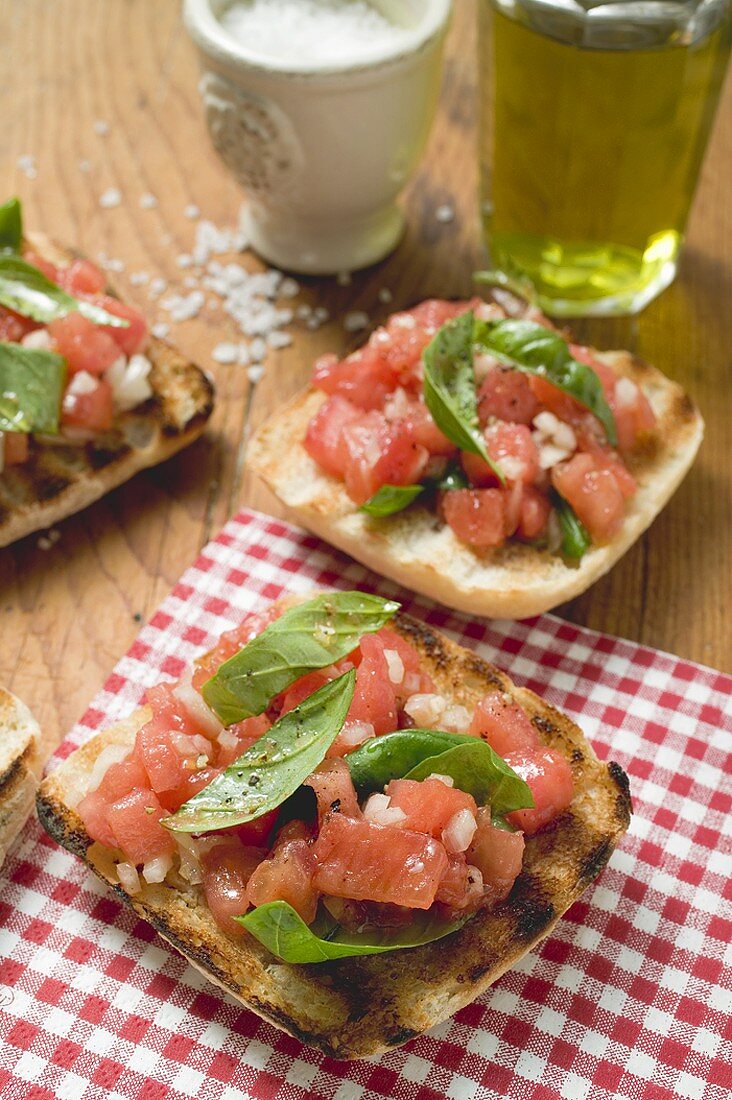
point(20, 767)
point(417, 550)
point(59, 478)
point(357, 1007)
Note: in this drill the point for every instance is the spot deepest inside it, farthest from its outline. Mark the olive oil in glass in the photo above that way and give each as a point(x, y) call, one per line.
point(595, 120)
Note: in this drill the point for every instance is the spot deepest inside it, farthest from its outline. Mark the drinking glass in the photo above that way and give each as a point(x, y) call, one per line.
point(595, 116)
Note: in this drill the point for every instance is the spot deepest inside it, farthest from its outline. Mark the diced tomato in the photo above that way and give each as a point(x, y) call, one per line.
point(287, 876)
point(429, 805)
point(93, 411)
point(498, 854)
point(422, 429)
point(374, 698)
point(82, 278)
point(365, 385)
point(380, 453)
point(550, 778)
point(477, 516)
point(415, 679)
point(13, 327)
point(84, 346)
point(227, 868)
point(453, 890)
point(534, 511)
point(49, 270)
point(608, 458)
point(512, 447)
point(135, 823)
point(305, 686)
point(193, 781)
point(93, 812)
point(130, 339)
point(230, 642)
point(259, 831)
point(118, 780)
point(154, 746)
point(15, 448)
point(593, 492)
point(324, 436)
point(555, 400)
point(368, 862)
point(246, 733)
point(499, 720)
point(507, 395)
point(334, 789)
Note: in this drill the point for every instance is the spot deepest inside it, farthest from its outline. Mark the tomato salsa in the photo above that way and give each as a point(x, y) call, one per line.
point(97, 343)
point(549, 454)
point(369, 857)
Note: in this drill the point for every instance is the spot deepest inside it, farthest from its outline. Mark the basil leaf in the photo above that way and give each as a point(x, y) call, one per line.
point(392, 755)
point(31, 387)
point(516, 281)
point(312, 635)
point(11, 226)
point(27, 290)
point(283, 932)
point(271, 769)
point(449, 387)
point(480, 771)
point(534, 349)
point(390, 499)
point(576, 540)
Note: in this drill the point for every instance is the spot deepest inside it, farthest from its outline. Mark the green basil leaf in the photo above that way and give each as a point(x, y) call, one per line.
point(576, 540)
point(390, 499)
point(516, 281)
point(449, 387)
point(392, 755)
point(283, 932)
point(27, 290)
point(312, 635)
point(534, 349)
point(31, 387)
point(271, 769)
point(479, 771)
point(11, 226)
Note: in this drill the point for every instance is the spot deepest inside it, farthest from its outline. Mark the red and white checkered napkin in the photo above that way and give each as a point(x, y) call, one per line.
point(629, 997)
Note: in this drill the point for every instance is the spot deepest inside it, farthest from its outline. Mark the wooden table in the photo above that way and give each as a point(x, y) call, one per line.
point(70, 612)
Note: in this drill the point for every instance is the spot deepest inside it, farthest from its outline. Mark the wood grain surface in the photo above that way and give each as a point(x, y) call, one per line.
point(71, 611)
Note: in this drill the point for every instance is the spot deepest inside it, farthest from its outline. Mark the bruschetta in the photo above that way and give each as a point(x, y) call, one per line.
point(479, 457)
point(344, 819)
point(87, 396)
point(21, 761)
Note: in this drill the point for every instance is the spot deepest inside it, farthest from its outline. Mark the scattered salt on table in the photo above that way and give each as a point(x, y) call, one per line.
point(112, 197)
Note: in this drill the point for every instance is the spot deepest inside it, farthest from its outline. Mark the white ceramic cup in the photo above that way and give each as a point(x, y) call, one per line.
point(322, 150)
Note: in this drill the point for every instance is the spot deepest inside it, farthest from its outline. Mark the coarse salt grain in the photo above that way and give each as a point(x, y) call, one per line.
point(112, 197)
point(160, 330)
point(192, 211)
point(355, 320)
point(445, 213)
point(385, 295)
point(137, 278)
point(85, 166)
point(27, 165)
point(101, 127)
point(148, 201)
point(279, 339)
point(255, 373)
point(225, 354)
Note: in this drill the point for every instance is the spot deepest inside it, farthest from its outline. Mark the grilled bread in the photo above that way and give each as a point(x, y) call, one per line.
point(60, 478)
point(20, 767)
point(417, 550)
point(360, 1006)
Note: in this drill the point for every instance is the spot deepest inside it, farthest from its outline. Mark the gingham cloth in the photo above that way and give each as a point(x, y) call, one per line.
point(629, 997)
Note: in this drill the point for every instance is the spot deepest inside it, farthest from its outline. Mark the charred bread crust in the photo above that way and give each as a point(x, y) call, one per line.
point(358, 1007)
point(417, 550)
point(59, 478)
point(20, 767)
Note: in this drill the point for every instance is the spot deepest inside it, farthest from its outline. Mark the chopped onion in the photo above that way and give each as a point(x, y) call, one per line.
point(459, 831)
point(40, 338)
point(227, 739)
point(129, 381)
point(189, 744)
point(412, 683)
point(129, 878)
point(190, 862)
point(156, 869)
point(355, 733)
point(446, 779)
point(426, 709)
point(196, 706)
point(113, 754)
point(394, 666)
point(378, 809)
point(456, 719)
point(82, 383)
